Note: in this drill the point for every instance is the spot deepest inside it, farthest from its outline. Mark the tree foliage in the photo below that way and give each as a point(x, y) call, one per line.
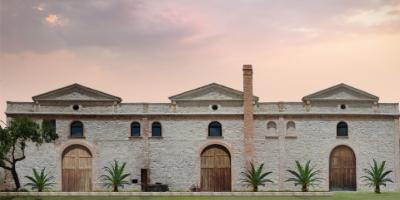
point(255, 176)
point(114, 176)
point(304, 175)
point(377, 175)
point(14, 139)
point(40, 181)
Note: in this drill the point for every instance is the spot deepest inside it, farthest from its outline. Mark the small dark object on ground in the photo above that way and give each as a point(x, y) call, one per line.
point(158, 187)
point(194, 188)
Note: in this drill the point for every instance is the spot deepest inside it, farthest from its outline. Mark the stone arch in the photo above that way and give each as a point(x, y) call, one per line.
point(272, 127)
point(290, 127)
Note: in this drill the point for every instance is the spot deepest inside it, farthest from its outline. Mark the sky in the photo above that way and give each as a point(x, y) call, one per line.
point(146, 51)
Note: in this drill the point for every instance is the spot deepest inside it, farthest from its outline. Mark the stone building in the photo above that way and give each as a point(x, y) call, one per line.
point(208, 135)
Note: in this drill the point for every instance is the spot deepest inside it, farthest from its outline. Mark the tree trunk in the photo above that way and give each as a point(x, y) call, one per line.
point(377, 189)
point(304, 188)
point(115, 188)
point(255, 188)
point(15, 177)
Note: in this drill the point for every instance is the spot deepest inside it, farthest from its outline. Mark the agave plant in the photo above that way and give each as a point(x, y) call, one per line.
point(40, 181)
point(115, 176)
point(304, 175)
point(256, 177)
point(377, 175)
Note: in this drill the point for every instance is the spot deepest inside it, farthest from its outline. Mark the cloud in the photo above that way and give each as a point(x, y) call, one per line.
point(39, 7)
point(54, 20)
point(375, 17)
point(120, 24)
point(139, 26)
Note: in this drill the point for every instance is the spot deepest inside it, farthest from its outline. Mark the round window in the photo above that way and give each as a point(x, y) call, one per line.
point(214, 107)
point(75, 107)
point(343, 106)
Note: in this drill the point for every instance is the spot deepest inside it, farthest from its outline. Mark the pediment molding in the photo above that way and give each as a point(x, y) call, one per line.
point(210, 92)
point(341, 92)
point(76, 92)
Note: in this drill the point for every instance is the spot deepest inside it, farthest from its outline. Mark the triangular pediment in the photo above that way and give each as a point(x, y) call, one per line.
point(341, 92)
point(75, 92)
point(210, 92)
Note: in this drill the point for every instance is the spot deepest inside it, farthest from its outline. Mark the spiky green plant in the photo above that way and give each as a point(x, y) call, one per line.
point(377, 175)
point(255, 177)
point(40, 181)
point(114, 176)
point(304, 175)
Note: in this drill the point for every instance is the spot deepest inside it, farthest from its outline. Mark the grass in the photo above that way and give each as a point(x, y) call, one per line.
point(337, 196)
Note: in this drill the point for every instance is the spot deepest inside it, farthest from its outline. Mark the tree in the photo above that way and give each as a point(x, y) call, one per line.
point(115, 176)
point(40, 181)
point(14, 139)
point(377, 176)
point(304, 176)
point(256, 177)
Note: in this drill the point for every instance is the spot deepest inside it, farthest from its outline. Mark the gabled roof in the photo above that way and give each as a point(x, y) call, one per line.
point(341, 92)
point(76, 92)
point(213, 91)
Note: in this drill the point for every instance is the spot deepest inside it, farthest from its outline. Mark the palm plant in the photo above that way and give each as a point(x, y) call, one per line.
point(255, 177)
point(304, 175)
point(377, 175)
point(115, 176)
point(40, 181)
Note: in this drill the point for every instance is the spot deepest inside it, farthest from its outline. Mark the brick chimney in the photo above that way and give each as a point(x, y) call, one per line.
point(248, 113)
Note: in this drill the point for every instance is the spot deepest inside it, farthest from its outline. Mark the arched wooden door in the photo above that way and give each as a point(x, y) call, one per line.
point(76, 169)
point(342, 172)
point(215, 169)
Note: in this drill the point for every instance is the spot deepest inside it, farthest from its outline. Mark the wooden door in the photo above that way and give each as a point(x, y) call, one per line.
point(342, 172)
point(76, 170)
point(144, 179)
point(215, 169)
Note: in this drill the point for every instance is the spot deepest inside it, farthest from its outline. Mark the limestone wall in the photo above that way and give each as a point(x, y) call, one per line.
point(316, 138)
point(174, 158)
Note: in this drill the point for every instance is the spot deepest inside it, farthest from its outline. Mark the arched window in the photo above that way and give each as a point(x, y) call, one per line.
point(135, 129)
point(342, 129)
point(290, 127)
point(271, 127)
point(156, 129)
point(76, 129)
point(215, 129)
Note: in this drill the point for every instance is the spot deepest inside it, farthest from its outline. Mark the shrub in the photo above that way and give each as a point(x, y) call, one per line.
point(255, 177)
point(40, 181)
point(377, 176)
point(115, 176)
point(304, 175)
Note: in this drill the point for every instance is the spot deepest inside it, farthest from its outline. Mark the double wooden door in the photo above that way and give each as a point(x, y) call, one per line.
point(215, 169)
point(342, 172)
point(76, 170)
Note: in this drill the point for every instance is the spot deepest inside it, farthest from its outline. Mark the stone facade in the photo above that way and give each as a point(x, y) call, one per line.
point(302, 131)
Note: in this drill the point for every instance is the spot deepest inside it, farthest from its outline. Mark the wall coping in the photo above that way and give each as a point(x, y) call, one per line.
point(166, 194)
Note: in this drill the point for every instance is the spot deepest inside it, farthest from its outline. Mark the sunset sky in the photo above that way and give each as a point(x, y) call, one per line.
point(146, 51)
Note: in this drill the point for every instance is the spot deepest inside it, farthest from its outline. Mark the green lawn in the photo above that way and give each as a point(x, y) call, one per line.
point(337, 196)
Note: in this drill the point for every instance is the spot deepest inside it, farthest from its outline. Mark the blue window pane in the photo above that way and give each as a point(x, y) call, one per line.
point(76, 129)
point(135, 129)
point(214, 129)
point(156, 129)
point(342, 129)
